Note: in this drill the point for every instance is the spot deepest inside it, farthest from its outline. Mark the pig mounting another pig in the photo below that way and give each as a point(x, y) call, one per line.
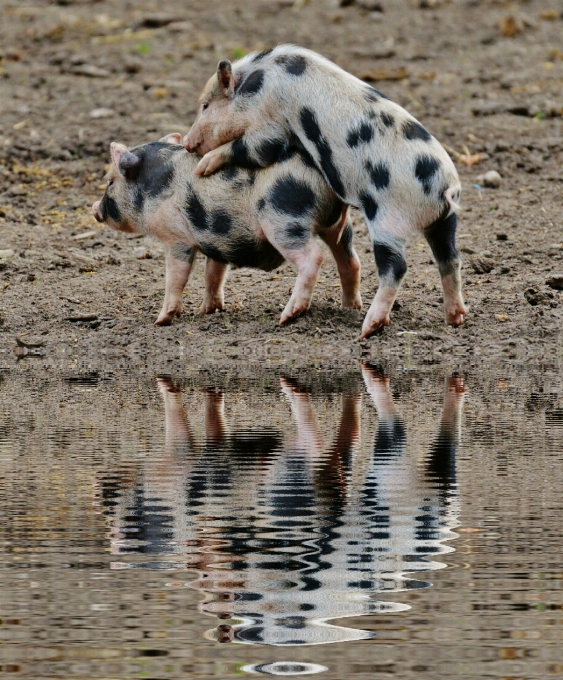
point(371, 151)
point(242, 217)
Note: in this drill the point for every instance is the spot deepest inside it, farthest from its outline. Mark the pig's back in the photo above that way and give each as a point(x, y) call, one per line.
point(225, 210)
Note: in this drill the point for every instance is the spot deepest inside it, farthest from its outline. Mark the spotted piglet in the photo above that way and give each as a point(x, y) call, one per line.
point(371, 151)
point(241, 217)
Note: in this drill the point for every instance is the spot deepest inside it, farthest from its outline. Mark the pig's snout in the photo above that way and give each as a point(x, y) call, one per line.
point(192, 142)
point(187, 145)
point(96, 211)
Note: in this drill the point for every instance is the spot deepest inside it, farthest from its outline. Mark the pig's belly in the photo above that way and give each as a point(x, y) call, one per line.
point(242, 251)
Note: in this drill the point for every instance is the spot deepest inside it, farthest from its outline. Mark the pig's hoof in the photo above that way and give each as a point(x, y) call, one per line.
point(211, 306)
point(456, 315)
point(353, 303)
point(372, 326)
point(209, 164)
point(165, 318)
point(292, 312)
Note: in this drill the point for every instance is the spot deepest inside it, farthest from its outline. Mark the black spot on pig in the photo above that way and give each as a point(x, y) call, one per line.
point(369, 205)
point(252, 84)
point(414, 130)
point(332, 214)
point(155, 171)
point(373, 95)
point(312, 131)
point(347, 238)
point(425, 169)
point(305, 155)
point(296, 65)
point(261, 203)
point(196, 212)
point(294, 236)
point(271, 151)
point(221, 222)
point(210, 250)
point(228, 173)
point(360, 135)
point(387, 119)
point(441, 238)
point(109, 208)
point(183, 252)
point(390, 263)
point(291, 197)
point(138, 198)
point(379, 175)
point(240, 156)
point(261, 55)
point(249, 252)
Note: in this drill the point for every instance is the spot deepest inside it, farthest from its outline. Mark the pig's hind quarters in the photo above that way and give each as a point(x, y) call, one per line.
point(293, 211)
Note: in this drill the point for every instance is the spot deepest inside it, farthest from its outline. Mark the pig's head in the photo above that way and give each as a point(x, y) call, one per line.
point(133, 176)
point(219, 119)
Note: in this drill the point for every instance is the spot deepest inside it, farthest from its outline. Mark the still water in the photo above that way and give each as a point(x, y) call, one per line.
point(343, 523)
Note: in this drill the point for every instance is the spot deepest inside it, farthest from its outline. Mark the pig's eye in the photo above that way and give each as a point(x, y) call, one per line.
point(110, 183)
point(205, 106)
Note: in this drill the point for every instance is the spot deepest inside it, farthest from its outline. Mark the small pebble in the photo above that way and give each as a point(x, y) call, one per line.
point(102, 113)
point(492, 179)
point(502, 237)
point(555, 282)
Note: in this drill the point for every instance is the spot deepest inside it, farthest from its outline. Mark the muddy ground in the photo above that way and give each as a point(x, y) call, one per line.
point(484, 77)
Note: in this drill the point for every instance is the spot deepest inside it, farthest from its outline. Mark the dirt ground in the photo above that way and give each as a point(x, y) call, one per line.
point(484, 77)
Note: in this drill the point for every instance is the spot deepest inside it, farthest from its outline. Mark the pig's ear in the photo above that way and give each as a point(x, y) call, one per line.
point(129, 164)
point(226, 78)
point(117, 150)
point(126, 162)
point(172, 138)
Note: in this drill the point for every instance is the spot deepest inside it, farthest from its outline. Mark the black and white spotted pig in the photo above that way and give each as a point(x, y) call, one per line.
point(243, 217)
point(371, 151)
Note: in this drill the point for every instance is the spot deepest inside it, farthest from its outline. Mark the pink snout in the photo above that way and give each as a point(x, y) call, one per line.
point(96, 211)
point(192, 142)
point(187, 145)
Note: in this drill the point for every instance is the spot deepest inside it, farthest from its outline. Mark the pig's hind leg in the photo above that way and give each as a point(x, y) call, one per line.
point(294, 240)
point(339, 239)
point(441, 238)
point(391, 267)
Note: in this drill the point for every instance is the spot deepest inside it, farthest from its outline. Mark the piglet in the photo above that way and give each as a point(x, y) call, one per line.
point(371, 152)
point(241, 217)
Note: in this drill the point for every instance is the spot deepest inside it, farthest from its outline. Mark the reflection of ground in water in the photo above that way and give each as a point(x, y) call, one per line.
point(286, 531)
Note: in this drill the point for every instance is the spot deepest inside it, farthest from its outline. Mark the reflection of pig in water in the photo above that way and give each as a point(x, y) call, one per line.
point(287, 535)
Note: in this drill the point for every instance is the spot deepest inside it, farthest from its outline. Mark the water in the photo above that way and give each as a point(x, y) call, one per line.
point(341, 523)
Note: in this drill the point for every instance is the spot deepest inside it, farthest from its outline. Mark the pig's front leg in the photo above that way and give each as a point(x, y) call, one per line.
point(215, 160)
point(179, 261)
point(215, 277)
point(257, 149)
